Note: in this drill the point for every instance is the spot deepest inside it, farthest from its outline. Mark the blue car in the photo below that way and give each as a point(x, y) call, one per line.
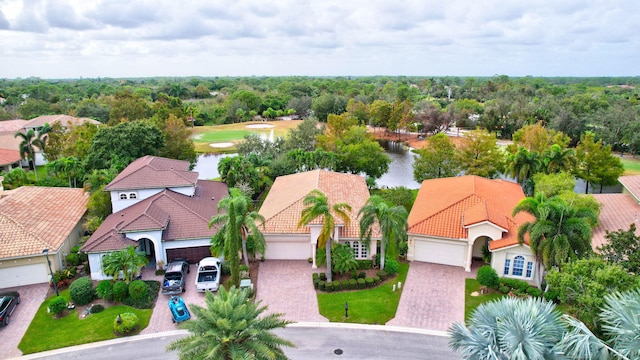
point(179, 310)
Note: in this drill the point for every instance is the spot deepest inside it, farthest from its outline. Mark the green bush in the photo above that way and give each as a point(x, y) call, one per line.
point(354, 274)
point(322, 285)
point(551, 295)
point(361, 283)
point(369, 282)
point(487, 276)
point(515, 284)
point(504, 289)
point(329, 287)
point(362, 275)
point(73, 259)
point(57, 305)
point(344, 284)
point(138, 290)
point(120, 290)
point(315, 276)
point(353, 284)
point(376, 280)
point(316, 283)
point(97, 308)
point(81, 291)
point(226, 270)
point(534, 291)
point(382, 274)
point(127, 323)
point(105, 290)
point(391, 266)
point(323, 276)
point(365, 264)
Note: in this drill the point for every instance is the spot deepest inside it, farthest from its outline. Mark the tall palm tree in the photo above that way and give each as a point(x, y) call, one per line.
point(231, 327)
point(391, 220)
point(127, 260)
point(523, 164)
point(510, 328)
point(560, 231)
point(557, 159)
point(226, 240)
point(29, 141)
point(248, 220)
point(317, 207)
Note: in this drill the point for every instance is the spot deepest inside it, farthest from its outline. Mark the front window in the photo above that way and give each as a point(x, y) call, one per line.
point(133, 196)
point(507, 264)
point(123, 196)
point(518, 265)
point(359, 249)
point(529, 269)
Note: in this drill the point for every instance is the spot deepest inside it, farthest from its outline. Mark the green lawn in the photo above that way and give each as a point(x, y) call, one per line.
point(46, 333)
point(222, 136)
point(631, 166)
point(371, 306)
point(472, 302)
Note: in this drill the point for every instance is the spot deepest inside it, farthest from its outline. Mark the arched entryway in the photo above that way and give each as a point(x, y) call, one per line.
point(147, 247)
point(480, 249)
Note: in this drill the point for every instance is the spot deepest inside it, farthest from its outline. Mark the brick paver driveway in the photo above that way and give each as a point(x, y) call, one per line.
point(432, 298)
point(285, 286)
point(31, 297)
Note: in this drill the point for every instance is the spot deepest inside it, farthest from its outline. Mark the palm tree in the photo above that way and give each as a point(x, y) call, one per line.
point(231, 327)
point(226, 241)
point(30, 140)
point(560, 231)
point(247, 220)
point(127, 260)
point(557, 159)
point(523, 164)
point(317, 207)
point(510, 328)
point(391, 220)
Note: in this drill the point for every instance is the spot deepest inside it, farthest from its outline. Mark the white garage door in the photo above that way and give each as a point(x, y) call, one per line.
point(24, 275)
point(288, 250)
point(440, 252)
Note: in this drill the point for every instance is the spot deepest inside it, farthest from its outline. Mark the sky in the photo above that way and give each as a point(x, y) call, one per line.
point(141, 38)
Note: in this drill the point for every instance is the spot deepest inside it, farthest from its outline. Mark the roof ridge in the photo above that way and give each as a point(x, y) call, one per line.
point(447, 208)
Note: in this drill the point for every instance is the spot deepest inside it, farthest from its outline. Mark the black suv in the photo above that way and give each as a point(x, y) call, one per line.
point(175, 277)
point(8, 302)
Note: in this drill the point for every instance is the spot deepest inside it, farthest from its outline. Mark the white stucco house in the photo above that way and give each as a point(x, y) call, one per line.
point(161, 208)
point(453, 219)
point(283, 206)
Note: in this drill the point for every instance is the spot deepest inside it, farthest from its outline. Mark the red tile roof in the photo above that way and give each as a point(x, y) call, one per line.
point(632, 184)
point(180, 217)
point(64, 120)
point(8, 156)
point(446, 207)
point(283, 205)
point(618, 211)
point(36, 218)
point(152, 172)
point(11, 126)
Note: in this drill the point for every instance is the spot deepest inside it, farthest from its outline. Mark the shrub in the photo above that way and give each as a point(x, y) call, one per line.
point(515, 284)
point(365, 264)
point(105, 290)
point(344, 284)
point(369, 282)
point(391, 266)
point(354, 274)
point(57, 305)
point(376, 280)
point(534, 291)
point(226, 269)
point(551, 295)
point(73, 259)
point(244, 268)
point(316, 283)
point(323, 276)
point(127, 323)
point(138, 290)
point(315, 276)
point(362, 275)
point(322, 285)
point(361, 283)
point(382, 274)
point(81, 291)
point(120, 290)
point(487, 276)
point(97, 308)
point(504, 289)
point(329, 287)
point(352, 284)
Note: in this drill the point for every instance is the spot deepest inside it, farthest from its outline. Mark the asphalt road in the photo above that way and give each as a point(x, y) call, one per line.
point(313, 341)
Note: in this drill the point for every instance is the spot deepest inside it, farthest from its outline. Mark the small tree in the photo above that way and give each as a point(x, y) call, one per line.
point(343, 259)
point(487, 276)
point(138, 290)
point(57, 305)
point(623, 248)
point(81, 291)
point(104, 290)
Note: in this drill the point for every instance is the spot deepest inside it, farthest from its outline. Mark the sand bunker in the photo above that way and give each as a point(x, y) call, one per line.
point(221, 145)
point(260, 126)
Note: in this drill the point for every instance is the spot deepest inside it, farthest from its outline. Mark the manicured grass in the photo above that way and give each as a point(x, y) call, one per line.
point(631, 166)
point(204, 135)
point(47, 333)
point(472, 302)
point(371, 306)
point(220, 136)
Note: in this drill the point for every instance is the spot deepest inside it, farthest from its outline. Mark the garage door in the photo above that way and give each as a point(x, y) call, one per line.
point(24, 275)
point(192, 254)
point(440, 252)
point(288, 250)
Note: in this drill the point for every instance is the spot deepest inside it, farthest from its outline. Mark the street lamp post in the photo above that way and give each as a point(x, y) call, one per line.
point(53, 279)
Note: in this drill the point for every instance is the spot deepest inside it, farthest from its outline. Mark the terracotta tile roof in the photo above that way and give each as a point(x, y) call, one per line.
point(446, 207)
point(34, 218)
point(283, 205)
point(8, 156)
point(64, 120)
point(618, 211)
point(632, 184)
point(11, 126)
point(9, 141)
point(151, 172)
point(180, 217)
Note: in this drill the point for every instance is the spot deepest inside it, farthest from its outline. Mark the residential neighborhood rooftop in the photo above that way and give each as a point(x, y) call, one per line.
point(64, 120)
point(151, 172)
point(617, 212)
point(9, 156)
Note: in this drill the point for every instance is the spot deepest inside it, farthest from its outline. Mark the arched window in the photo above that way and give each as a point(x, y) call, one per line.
point(123, 196)
point(518, 265)
point(133, 196)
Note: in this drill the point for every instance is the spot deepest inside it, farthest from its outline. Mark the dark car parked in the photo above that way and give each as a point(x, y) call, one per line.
point(8, 302)
point(175, 277)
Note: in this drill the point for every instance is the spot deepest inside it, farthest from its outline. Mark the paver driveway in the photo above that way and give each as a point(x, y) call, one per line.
point(285, 286)
point(432, 298)
point(31, 297)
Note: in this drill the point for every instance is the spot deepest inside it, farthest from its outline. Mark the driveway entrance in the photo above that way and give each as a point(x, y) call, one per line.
point(285, 286)
point(432, 298)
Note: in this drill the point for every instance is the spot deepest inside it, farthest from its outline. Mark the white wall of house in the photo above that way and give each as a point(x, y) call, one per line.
point(184, 190)
point(513, 262)
point(95, 264)
point(485, 229)
point(118, 203)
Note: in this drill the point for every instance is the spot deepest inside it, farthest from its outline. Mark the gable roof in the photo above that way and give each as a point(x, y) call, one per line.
point(446, 207)
point(180, 217)
point(64, 120)
point(617, 212)
point(8, 156)
point(632, 184)
point(34, 218)
point(152, 172)
point(284, 204)
point(11, 126)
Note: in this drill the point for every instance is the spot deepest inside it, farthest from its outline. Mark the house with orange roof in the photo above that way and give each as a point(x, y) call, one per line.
point(456, 220)
point(283, 206)
point(9, 159)
point(161, 208)
point(32, 219)
point(618, 211)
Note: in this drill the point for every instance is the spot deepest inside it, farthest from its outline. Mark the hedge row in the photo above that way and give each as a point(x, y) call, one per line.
point(351, 284)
